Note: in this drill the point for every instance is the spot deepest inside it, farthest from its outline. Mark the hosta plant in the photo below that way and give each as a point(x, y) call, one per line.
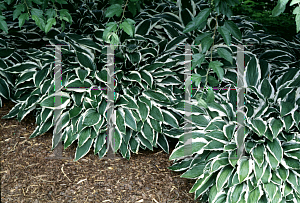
point(147, 84)
point(269, 169)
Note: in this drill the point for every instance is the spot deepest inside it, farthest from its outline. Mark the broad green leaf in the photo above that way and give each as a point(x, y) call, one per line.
point(4, 89)
point(195, 23)
point(156, 113)
point(163, 143)
point(206, 44)
point(252, 72)
point(83, 150)
point(85, 60)
point(91, 117)
point(13, 112)
point(292, 163)
point(236, 193)
point(229, 130)
point(81, 74)
point(259, 171)
point(255, 195)
point(276, 126)
point(258, 154)
point(99, 142)
point(196, 78)
point(120, 122)
point(129, 119)
point(134, 144)
point(144, 142)
point(260, 126)
point(155, 125)
point(84, 135)
point(233, 29)
point(22, 18)
point(244, 168)
point(266, 88)
point(223, 177)
point(212, 81)
point(115, 9)
point(279, 8)
point(288, 122)
point(64, 14)
point(283, 172)
point(147, 77)
point(225, 34)
point(37, 12)
point(50, 23)
point(169, 119)
point(156, 95)
point(127, 28)
point(273, 162)
point(275, 149)
point(224, 53)
point(201, 36)
point(194, 172)
point(202, 183)
point(197, 60)
point(19, 9)
point(117, 140)
point(49, 101)
point(134, 76)
point(216, 66)
point(188, 149)
point(202, 103)
point(50, 13)
point(148, 132)
point(286, 108)
point(218, 163)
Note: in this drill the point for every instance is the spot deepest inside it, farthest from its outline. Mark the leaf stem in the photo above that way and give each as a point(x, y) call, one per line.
point(124, 10)
point(211, 50)
point(27, 8)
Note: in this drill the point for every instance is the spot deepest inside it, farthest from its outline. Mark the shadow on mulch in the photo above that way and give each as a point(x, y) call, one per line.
point(27, 176)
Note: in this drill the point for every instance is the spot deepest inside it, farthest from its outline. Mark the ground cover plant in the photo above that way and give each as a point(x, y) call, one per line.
point(150, 89)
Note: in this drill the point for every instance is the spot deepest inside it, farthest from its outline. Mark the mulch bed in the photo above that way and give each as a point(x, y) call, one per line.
point(27, 175)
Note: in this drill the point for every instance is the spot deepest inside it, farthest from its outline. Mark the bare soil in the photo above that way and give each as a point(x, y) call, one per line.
point(28, 175)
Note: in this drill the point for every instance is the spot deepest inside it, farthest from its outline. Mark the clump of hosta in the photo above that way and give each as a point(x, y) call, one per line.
point(269, 169)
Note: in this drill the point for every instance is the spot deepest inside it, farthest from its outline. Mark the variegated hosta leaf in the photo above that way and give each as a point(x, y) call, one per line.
point(258, 154)
point(219, 163)
point(169, 119)
point(156, 96)
point(195, 171)
point(48, 102)
point(259, 125)
point(185, 150)
point(255, 194)
point(223, 177)
point(83, 150)
point(244, 169)
point(203, 184)
point(266, 89)
point(276, 126)
point(275, 149)
point(91, 117)
point(129, 119)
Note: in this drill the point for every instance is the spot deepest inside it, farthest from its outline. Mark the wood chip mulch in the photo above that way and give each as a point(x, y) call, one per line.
point(28, 174)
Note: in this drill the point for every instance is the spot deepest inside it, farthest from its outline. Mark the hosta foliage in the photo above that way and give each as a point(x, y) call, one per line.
point(269, 169)
point(147, 72)
point(150, 91)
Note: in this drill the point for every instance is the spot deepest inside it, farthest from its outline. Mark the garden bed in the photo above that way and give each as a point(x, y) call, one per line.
point(28, 176)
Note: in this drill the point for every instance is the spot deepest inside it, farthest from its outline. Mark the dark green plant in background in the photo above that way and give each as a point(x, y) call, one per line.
point(261, 11)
